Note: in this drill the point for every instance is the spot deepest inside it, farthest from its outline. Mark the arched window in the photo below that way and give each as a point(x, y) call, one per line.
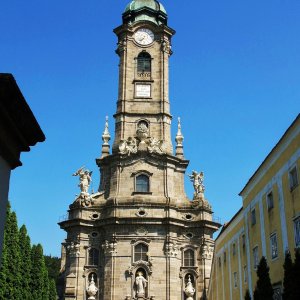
point(93, 258)
point(142, 184)
point(140, 252)
point(144, 63)
point(189, 258)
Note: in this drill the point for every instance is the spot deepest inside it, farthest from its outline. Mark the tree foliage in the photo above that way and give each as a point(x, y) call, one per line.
point(23, 272)
point(296, 276)
point(53, 266)
point(10, 275)
point(25, 264)
point(52, 290)
point(263, 290)
point(288, 277)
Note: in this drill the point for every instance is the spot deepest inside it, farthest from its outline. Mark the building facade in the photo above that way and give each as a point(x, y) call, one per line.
point(18, 131)
point(268, 224)
point(139, 236)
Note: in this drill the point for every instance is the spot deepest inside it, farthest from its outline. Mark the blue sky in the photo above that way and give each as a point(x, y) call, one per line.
point(235, 83)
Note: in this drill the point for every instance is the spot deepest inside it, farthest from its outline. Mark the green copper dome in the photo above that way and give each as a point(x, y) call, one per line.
point(145, 10)
point(138, 4)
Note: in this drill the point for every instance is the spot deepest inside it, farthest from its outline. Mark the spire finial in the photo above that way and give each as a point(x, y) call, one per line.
point(105, 139)
point(106, 135)
point(179, 139)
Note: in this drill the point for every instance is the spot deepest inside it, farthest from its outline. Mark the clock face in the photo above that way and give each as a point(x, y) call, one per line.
point(144, 36)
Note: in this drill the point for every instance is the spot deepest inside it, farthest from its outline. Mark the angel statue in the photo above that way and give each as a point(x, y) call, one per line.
point(198, 183)
point(85, 178)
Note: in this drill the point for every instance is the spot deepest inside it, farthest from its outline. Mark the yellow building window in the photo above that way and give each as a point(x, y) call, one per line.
point(255, 257)
point(245, 274)
point(233, 249)
point(293, 178)
point(297, 232)
point(274, 246)
point(235, 279)
point(270, 201)
point(253, 217)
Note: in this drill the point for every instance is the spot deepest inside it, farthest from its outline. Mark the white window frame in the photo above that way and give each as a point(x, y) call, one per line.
point(274, 245)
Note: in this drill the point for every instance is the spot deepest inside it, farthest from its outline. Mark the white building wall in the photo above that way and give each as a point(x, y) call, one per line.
point(4, 187)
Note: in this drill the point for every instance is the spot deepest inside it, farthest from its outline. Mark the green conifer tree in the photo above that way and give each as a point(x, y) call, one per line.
point(263, 290)
point(46, 282)
point(11, 259)
point(39, 284)
point(288, 277)
point(4, 262)
point(25, 265)
point(52, 290)
point(247, 295)
point(296, 276)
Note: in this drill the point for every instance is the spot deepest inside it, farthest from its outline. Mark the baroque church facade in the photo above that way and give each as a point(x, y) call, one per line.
point(140, 236)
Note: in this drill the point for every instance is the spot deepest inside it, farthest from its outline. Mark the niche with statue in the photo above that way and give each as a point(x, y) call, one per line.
point(141, 284)
point(189, 289)
point(92, 290)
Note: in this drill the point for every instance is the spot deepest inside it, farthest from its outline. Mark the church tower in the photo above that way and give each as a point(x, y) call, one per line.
point(140, 237)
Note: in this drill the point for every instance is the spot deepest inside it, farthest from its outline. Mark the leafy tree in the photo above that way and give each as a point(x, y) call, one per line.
point(52, 290)
point(247, 295)
point(25, 264)
point(39, 273)
point(263, 290)
point(288, 277)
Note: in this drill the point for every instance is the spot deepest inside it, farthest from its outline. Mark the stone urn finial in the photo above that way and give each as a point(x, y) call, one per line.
point(92, 289)
point(189, 289)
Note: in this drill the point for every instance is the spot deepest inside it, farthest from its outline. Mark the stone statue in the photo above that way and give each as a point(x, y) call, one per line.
point(198, 179)
point(128, 147)
point(141, 284)
point(189, 289)
point(142, 132)
point(85, 178)
point(92, 289)
point(156, 146)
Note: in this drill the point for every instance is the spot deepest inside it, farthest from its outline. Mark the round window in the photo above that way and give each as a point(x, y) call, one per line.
point(188, 216)
point(189, 235)
point(94, 234)
point(95, 216)
point(142, 213)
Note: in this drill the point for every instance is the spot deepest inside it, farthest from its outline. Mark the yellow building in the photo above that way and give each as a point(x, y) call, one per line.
point(267, 225)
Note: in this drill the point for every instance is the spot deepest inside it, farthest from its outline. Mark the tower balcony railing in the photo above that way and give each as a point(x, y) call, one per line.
point(143, 76)
point(63, 218)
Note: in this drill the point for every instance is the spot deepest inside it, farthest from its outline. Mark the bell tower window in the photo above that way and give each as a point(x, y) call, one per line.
point(144, 63)
point(142, 184)
point(140, 252)
point(189, 258)
point(93, 257)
